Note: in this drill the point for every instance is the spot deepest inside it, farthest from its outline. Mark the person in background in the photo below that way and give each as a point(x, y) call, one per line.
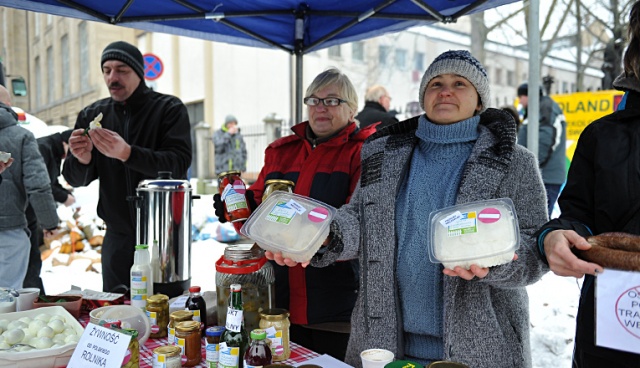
point(602, 195)
point(53, 148)
point(322, 158)
point(552, 142)
point(230, 149)
point(514, 113)
point(143, 132)
point(376, 108)
point(457, 152)
point(25, 181)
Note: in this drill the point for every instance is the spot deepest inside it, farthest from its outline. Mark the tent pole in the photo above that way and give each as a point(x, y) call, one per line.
point(533, 110)
point(299, 96)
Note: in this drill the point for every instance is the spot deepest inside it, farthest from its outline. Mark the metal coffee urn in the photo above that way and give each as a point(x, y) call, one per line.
point(164, 224)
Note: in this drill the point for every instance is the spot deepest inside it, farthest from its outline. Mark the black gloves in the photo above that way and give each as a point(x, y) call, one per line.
point(218, 205)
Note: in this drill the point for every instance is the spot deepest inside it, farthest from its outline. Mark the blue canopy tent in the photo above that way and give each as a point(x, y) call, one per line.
point(295, 26)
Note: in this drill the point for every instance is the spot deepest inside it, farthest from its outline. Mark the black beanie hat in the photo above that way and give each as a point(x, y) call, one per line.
point(523, 89)
point(125, 52)
point(65, 135)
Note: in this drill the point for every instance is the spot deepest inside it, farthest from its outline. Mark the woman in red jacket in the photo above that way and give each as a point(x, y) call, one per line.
point(322, 158)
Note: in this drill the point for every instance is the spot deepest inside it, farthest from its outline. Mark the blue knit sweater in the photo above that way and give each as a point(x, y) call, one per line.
point(432, 183)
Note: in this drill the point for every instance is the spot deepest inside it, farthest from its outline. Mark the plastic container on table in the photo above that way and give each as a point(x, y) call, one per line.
point(131, 318)
point(290, 223)
point(42, 358)
point(485, 233)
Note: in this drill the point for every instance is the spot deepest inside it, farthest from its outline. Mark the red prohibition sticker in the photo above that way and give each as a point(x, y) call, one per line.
point(239, 187)
point(489, 215)
point(318, 214)
point(626, 311)
point(279, 350)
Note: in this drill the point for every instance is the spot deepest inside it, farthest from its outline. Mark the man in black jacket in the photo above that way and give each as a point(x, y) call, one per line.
point(376, 107)
point(143, 132)
point(53, 148)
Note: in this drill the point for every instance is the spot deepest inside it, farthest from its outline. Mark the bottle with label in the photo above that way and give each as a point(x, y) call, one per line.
point(141, 286)
point(196, 305)
point(258, 354)
point(232, 193)
point(213, 335)
point(234, 341)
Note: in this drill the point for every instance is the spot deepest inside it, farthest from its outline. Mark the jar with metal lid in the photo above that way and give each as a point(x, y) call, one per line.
point(158, 313)
point(132, 356)
point(245, 264)
point(175, 317)
point(212, 348)
point(188, 339)
point(277, 318)
point(232, 193)
point(167, 357)
point(272, 185)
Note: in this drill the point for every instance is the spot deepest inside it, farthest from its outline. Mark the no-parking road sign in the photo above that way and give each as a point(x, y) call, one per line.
point(153, 67)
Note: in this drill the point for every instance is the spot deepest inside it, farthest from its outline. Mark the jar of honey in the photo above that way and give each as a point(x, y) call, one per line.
point(232, 193)
point(188, 339)
point(277, 318)
point(272, 185)
point(174, 318)
point(158, 313)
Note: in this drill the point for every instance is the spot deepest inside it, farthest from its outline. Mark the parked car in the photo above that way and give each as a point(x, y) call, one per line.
point(36, 126)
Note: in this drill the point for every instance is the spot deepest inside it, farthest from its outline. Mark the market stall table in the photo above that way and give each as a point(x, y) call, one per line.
point(298, 353)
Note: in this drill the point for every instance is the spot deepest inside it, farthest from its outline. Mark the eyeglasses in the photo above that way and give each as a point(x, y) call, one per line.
point(329, 101)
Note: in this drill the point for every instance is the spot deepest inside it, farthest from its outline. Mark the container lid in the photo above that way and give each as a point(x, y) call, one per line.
point(181, 315)
point(403, 364)
point(274, 314)
point(290, 223)
point(164, 182)
point(279, 181)
point(142, 246)
point(485, 233)
point(187, 326)
point(258, 334)
point(157, 298)
point(168, 350)
point(232, 172)
point(194, 289)
point(214, 331)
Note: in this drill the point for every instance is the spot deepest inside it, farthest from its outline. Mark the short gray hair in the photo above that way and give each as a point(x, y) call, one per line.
point(335, 76)
point(375, 93)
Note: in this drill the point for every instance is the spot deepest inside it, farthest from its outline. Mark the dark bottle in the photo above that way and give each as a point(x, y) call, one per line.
point(258, 354)
point(195, 303)
point(234, 340)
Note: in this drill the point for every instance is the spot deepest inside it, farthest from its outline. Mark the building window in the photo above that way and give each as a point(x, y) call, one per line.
point(83, 41)
point(49, 19)
point(498, 76)
point(565, 87)
point(511, 78)
point(418, 61)
point(39, 88)
point(335, 52)
point(64, 51)
point(401, 58)
point(36, 25)
point(357, 51)
point(50, 75)
point(383, 54)
point(573, 87)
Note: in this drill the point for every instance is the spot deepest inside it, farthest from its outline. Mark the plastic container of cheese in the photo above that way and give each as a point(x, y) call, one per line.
point(485, 233)
point(290, 223)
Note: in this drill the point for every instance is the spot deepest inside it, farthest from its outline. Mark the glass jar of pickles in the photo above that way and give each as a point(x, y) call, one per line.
point(158, 313)
point(167, 357)
point(188, 339)
point(272, 185)
point(277, 318)
point(246, 265)
point(232, 193)
point(175, 317)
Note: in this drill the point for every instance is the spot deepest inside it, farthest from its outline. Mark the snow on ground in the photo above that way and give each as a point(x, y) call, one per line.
point(553, 301)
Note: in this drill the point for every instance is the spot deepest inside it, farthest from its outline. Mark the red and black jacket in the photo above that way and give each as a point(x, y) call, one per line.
point(329, 173)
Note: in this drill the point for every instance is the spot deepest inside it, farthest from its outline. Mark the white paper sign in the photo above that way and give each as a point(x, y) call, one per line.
point(100, 347)
point(618, 310)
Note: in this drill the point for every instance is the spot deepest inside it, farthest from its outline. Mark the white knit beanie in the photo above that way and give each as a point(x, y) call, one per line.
point(462, 63)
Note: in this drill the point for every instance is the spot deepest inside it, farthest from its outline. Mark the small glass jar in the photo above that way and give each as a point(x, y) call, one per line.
point(245, 265)
point(167, 357)
point(175, 317)
point(277, 318)
point(232, 193)
point(158, 313)
point(213, 344)
point(188, 339)
point(272, 185)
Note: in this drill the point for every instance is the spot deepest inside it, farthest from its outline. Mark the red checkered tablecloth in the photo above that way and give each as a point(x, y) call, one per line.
point(298, 353)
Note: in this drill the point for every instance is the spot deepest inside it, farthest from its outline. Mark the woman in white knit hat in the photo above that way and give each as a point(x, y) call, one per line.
point(457, 152)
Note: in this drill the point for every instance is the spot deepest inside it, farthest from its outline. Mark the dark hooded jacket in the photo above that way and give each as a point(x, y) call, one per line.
point(373, 113)
point(52, 152)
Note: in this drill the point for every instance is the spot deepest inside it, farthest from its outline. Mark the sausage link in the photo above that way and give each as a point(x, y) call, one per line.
point(610, 258)
point(617, 240)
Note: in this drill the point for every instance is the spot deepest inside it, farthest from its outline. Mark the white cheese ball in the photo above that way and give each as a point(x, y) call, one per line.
point(56, 325)
point(4, 323)
point(36, 325)
point(43, 317)
point(16, 325)
point(46, 331)
point(13, 336)
point(43, 343)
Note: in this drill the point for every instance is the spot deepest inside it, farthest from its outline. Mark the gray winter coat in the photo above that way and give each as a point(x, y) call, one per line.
point(231, 151)
point(26, 180)
point(486, 321)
